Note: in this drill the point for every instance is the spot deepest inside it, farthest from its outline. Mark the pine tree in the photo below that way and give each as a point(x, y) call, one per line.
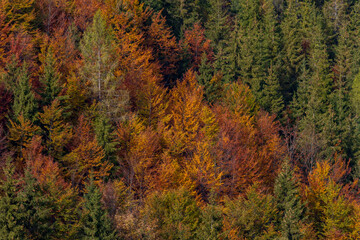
point(10, 202)
point(251, 216)
point(175, 214)
point(96, 224)
point(288, 203)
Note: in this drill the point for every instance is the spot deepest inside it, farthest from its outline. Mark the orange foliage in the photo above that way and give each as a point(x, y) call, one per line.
point(249, 148)
point(139, 147)
point(86, 157)
point(196, 45)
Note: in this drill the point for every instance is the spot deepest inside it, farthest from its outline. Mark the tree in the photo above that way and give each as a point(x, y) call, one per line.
point(86, 157)
point(50, 80)
point(211, 227)
point(24, 103)
point(217, 24)
point(291, 211)
point(96, 223)
point(10, 202)
point(210, 80)
point(172, 215)
point(99, 65)
point(251, 216)
point(20, 134)
point(35, 206)
point(329, 207)
point(61, 199)
point(56, 133)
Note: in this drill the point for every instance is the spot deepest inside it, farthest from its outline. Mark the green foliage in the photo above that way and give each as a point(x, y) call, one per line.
point(251, 217)
point(99, 64)
point(105, 136)
point(211, 221)
point(36, 216)
point(291, 211)
point(209, 80)
point(10, 212)
point(17, 80)
point(96, 223)
point(50, 80)
point(173, 215)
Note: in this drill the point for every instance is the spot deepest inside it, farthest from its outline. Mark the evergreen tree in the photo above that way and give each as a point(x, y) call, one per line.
point(209, 80)
point(217, 26)
point(288, 203)
point(50, 80)
point(211, 221)
point(105, 137)
point(96, 222)
point(17, 80)
point(10, 212)
point(175, 213)
point(251, 216)
point(35, 207)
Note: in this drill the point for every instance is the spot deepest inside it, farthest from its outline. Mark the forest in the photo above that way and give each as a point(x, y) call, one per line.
point(174, 119)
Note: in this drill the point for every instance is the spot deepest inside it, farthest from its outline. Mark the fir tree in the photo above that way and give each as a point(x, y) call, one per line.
point(288, 203)
point(96, 222)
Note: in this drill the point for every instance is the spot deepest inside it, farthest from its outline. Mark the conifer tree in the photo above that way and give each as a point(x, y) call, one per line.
point(96, 223)
point(17, 79)
point(35, 207)
point(10, 212)
point(50, 80)
point(175, 214)
point(105, 137)
point(209, 80)
point(288, 203)
point(217, 26)
point(211, 220)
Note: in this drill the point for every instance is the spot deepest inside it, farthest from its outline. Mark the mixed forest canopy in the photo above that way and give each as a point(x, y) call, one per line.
point(172, 119)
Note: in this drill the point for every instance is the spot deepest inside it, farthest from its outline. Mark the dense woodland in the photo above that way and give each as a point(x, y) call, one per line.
point(174, 119)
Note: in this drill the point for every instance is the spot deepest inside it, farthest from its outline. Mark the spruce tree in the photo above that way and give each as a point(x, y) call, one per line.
point(217, 26)
point(10, 212)
point(96, 224)
point(17, 80)
point(104, 136)
point(209, 80)
point(50, 80)
point(211, 221)
point(35, 207)
point(288, 203)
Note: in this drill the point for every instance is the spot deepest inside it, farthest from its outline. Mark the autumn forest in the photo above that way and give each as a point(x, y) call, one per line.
point(174, 119)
